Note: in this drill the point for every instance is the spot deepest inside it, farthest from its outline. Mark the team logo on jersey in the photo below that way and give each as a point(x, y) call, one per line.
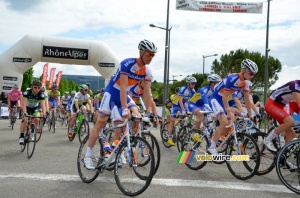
point(134, 68)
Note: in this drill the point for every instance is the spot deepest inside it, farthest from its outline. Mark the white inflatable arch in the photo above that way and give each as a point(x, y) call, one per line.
point(33, 49)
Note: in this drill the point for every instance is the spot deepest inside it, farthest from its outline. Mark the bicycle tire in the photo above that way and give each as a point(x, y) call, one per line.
point(31, 142)
point(182, 132)
point(285, 175)
point(74, 134)
point(23, 146)
point(83, 131)
point(86, 175)
point(145, 179)
point(53, 121)
point(164, 135)
point(38, 135)
point(199, 147)
point(155, 147)
point(267, 158)
point(252, 166)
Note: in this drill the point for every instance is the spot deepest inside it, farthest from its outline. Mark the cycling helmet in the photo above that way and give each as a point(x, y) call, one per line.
point(36, 83)
point(249, 65)
point(214, 78)
point(54, 86)
point(177, 89)
point(67, 92)
point(43, 88)
point(190, 79)
point(146, 45)
point(83, 87)
point(88, 84)
point(73, 92)
point(102, 90)
point(16, 86)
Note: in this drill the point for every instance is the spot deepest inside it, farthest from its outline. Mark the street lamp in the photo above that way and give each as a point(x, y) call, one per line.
point(174, 80)
point(204, 63)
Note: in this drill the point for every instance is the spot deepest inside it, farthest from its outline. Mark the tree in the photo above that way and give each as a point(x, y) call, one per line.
point(27, 79)
point(231, 63)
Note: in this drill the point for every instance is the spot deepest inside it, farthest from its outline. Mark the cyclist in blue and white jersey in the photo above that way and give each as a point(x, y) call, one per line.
point(69, 105)
point(199, 101)
point(116, 99)
point(178, 104)
point(219, 99)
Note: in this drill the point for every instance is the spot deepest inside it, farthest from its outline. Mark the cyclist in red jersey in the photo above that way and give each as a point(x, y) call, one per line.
point(275, 107)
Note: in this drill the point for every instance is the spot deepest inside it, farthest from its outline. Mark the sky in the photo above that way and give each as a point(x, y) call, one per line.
point(122, 24)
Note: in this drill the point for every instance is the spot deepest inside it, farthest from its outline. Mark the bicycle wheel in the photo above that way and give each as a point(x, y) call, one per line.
point(39, 134)
point(243, 169)
point(31, 141)
point(155, 147)
point(74, 134)
point(267, 158)
point(288, 166)
point(182, 132)
point(84, 131)
point(53, 121)
point(86, 175)
point(197, 147)
point(132, 178)
point(164, 134)
point(49, 122)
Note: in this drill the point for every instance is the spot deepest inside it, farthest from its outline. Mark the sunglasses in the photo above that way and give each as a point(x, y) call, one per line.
point(36, 87)
point(150, 54)
point(193, 83)
point(251, 73)
point(85, 90)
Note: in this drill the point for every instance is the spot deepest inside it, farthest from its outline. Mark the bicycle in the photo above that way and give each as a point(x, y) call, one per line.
point(51, 120)
point(139, 158)
point(14, 117)
point(30, 138)
point(81, 128)
point(288, 165)
point(183, 125)
point(62, 116)
point(235, 143)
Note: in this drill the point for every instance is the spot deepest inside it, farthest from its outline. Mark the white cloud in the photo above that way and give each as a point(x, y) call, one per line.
point(193, 33)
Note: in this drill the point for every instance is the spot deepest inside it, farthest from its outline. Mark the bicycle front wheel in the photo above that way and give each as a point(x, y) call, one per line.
point(155, 147)
point(288, 166)
point(164, 134)
point(85, 174)
point(84, 131)
point(239, 165)
point(31, 141)
point(136, 172)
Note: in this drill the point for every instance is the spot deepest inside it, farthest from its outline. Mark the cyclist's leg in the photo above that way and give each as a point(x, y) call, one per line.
point(175, 109)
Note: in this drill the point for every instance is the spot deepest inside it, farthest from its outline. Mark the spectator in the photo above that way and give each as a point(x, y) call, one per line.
point(3, 98)
point(256, 99)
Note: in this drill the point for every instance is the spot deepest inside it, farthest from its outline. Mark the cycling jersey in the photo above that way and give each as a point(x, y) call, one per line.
point(185, 92)
point(136, 72)
point(137, 91)
point(14, 95)
point(97, 100)
point(284, 94)
point(33, 99)
point(53, 95)
point(82, 99)
point(70, 101)
point(231, 83)
point(64, 100)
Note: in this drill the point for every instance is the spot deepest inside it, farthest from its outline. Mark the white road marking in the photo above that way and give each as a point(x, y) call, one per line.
point(163, 182)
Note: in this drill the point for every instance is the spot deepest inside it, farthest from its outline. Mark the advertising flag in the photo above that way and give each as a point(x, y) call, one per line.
point(45, 74)
point(52, 71)
point(58, 78)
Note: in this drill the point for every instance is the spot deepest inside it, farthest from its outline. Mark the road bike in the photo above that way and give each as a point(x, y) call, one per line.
point(81, 127)
point(14, 116)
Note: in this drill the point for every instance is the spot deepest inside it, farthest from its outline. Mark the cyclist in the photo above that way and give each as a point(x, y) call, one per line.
point(31, 100)
point(90, 92)
point(97, 101)
point(54, 99)
point(82, 98)
point(275, 107)
point(70, 101)
point(43, 90)
point(64, 101)
point(129, 73)
point(168, 104)
point(199, 101)
point(14, 97)
point(178, 104)
point(219, 99)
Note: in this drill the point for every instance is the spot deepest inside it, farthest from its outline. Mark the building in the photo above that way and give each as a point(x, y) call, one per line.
point(97, 82)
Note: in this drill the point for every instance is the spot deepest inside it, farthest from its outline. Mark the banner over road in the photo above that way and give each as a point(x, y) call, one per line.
point(224, 7)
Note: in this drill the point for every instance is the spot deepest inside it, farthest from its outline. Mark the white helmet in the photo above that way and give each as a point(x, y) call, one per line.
point(214, 78)
point(249, 65)
point(73, 92)
point(190, 79)
point(146, 45)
